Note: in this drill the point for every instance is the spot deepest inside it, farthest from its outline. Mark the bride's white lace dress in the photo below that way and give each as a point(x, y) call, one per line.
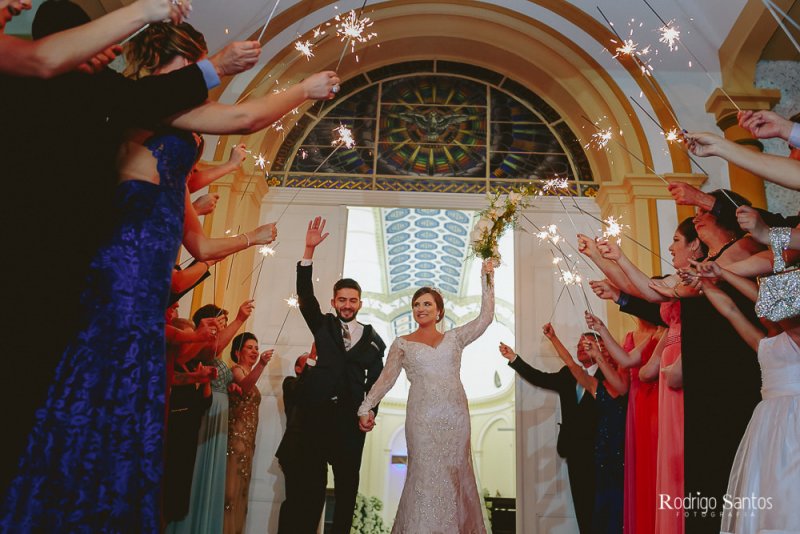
point(440, 493)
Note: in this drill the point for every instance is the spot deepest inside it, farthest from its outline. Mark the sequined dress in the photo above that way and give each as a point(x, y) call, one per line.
point(242, 428)
point(207, 503)
point(764, 487)
point(94, 458)
point(440, 493)
point(609, 458)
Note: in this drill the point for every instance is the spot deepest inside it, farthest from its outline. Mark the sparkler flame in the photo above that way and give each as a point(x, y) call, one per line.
point(261, 162)
point(600, 139)
point(266, 251)
point(555, 184)
point(350, 28)
point(304, 47)
point(613, 228)
point(672, 135)
point(345, 137)
point(628, 48)
point(670, 35)
point(293, 301)
point(571, 278)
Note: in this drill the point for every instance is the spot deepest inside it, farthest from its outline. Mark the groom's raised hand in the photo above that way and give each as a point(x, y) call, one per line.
point(314, 236)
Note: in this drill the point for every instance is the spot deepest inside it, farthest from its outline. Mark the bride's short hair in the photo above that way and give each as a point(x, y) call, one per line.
point(437, 298)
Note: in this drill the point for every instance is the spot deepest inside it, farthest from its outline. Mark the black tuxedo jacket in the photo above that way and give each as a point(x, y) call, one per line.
point(345, 376)
point(578, 420)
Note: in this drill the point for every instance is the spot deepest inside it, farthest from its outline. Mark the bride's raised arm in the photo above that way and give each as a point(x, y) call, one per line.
point(471, 331)
point(387, 378)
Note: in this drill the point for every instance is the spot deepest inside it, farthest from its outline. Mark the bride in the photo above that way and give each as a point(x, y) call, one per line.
point(440, 493)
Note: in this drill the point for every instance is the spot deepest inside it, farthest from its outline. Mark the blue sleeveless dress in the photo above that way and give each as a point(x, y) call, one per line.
point(94, 458)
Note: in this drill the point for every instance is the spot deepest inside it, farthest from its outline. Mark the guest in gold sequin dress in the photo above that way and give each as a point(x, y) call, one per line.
point(242, 427)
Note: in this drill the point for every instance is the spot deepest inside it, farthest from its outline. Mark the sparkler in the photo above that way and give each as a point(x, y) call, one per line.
point(555, 184)
point(294, 303)
point(260, 35)
point(670, 34)
point(304, 47)
point(673, 36)
point(600, 139)
point(345, 137)
point(623, 147)
point(351, 29)
point(266, 251)
point(613, 228)
point(773, 9)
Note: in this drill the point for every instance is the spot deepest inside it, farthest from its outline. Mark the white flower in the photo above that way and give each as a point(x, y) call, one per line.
point(484, 225)
point(496, 212)
point(514, 198)
point(475, 236)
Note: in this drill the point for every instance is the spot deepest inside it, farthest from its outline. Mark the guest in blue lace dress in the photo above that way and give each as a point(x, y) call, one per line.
point(94, 459)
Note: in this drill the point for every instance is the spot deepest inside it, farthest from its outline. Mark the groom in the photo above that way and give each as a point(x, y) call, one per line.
point(349, 361)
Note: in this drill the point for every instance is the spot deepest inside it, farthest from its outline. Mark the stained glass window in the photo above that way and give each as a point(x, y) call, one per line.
point(432, 127)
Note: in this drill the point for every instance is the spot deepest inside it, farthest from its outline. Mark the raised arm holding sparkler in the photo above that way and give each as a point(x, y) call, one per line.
point(778, 169)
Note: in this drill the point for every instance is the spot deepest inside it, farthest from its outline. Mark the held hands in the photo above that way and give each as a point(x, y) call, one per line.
point(765, 124)
point(605, 289)
point(236, 57)
point(158, 10)
point(314, 234)
point(507, 352)
point(322, 85)
point(750, 221)
point(245, 310)
point(366, 422)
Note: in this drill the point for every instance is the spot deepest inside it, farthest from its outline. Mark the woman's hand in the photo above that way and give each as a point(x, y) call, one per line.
point(159, 10)
point(750, 221)
point(609, 249)
point(507, 352)
point(208, 329)
point(245, 310)
point(659, 287)
point(594, 322)
point(322, 85)
point(238, 155)
point(205, 204)
point(263, 235)
point(488, 266)
point(587, 246)
point(266, 356)
point(764, 124)
point(233, 387)
point(549, 332)
point(703, 144)
point(605, 290)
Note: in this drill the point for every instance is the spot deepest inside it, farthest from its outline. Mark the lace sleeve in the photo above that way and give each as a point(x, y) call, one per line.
point(471, 331)
point(387, 378)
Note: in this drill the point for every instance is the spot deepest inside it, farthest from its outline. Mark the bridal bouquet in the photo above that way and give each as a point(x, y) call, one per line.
point(495, 219)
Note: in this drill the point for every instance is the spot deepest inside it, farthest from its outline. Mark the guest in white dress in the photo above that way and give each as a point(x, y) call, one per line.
point(764, 485)
point(440, 493)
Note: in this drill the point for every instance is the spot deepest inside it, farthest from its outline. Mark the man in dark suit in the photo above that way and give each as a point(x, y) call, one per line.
point(349, 361)
point(576, 436)
point(289, 453)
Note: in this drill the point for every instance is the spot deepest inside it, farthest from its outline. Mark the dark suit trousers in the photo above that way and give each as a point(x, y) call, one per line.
point(332, 437)
point(582, 475)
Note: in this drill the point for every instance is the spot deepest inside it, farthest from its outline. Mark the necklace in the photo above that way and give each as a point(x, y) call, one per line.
point(726, 246)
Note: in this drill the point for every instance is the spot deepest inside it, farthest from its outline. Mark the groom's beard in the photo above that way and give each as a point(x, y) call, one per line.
point(346, 319)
